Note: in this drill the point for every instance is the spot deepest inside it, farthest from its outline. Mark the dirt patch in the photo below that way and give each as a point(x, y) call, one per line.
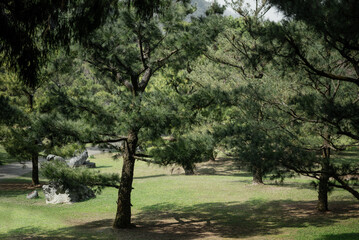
point(18, 186)
point(221, 166)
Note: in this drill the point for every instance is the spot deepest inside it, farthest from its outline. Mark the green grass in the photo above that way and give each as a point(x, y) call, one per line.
point(169, 206)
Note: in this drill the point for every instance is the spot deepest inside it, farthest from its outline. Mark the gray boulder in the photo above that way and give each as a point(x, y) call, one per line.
point(33, 194)
point(55, 193)
point(78, 160)
point(52, 157)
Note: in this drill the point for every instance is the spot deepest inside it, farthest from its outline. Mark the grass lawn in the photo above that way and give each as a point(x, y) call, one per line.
point(218, 203)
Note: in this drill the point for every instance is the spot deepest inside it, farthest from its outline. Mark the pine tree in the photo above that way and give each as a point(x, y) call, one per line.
point(129, 51)
point(322, 101)
point(248, 134)
point(36, 122)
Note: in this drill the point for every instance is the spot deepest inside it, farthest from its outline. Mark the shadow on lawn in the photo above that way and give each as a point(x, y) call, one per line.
point(344, 236)
point(150, 176)
point(219, 220)
point(100, 229)
point(97, 167)
point(298, 185)
point(13, 193)
point(238, 220)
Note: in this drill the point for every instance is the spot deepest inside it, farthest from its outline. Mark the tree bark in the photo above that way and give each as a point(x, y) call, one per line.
point(212, 156)
point(257, 175)
point(35, 169)
point(188, 170)
point(34, 156)
point(123, 214)
point(322, 205)
point(324, 178)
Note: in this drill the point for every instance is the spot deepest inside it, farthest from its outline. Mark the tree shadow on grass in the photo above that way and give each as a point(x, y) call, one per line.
point(100, 229)
point(248, 219)
point(150, 176)
point(13, 193)
point(215, 220)
point(344, 236)
point(298, 185)
point(103, 167)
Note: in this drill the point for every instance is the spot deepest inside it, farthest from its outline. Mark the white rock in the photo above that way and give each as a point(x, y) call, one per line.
point(33, 194)
point(78, 160)
point(55, 194)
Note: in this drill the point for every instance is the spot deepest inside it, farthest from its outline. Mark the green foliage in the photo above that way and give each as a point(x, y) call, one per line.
point(70, 178)
point(9, 113)
point(5, 158)
point(40, 119)
point(336, 20)
point(68, 150)
point(184, 151)
point(31, 29)
point(215, 8)
point(129, 56)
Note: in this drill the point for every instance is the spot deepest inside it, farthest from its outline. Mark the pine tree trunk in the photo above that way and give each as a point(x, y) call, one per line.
point(257, 175)
point(188, 169)
point(35, 169)
point(212, 156)
point(324, 178)
point(123, 214)
point(322, 205)
point(34, 156)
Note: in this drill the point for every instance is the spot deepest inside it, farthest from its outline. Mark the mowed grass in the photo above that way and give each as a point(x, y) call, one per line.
point(222, 205)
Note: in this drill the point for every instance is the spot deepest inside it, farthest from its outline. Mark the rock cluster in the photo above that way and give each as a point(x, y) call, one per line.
point(55, 193)
point(77, 161)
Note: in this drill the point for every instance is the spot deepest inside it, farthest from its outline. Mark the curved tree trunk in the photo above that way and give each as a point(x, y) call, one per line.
point(35, 169)
point(123, 214)
point(257, 175)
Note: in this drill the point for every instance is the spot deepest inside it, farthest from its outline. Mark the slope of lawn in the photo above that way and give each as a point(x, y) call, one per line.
point(218, 203)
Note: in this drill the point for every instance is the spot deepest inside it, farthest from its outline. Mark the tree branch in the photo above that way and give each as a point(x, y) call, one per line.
point(121, 138)
point(310, 67)
point(145, 160)
point(161, 62)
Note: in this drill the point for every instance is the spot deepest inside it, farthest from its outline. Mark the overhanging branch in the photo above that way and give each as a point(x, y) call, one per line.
point(122, 138)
